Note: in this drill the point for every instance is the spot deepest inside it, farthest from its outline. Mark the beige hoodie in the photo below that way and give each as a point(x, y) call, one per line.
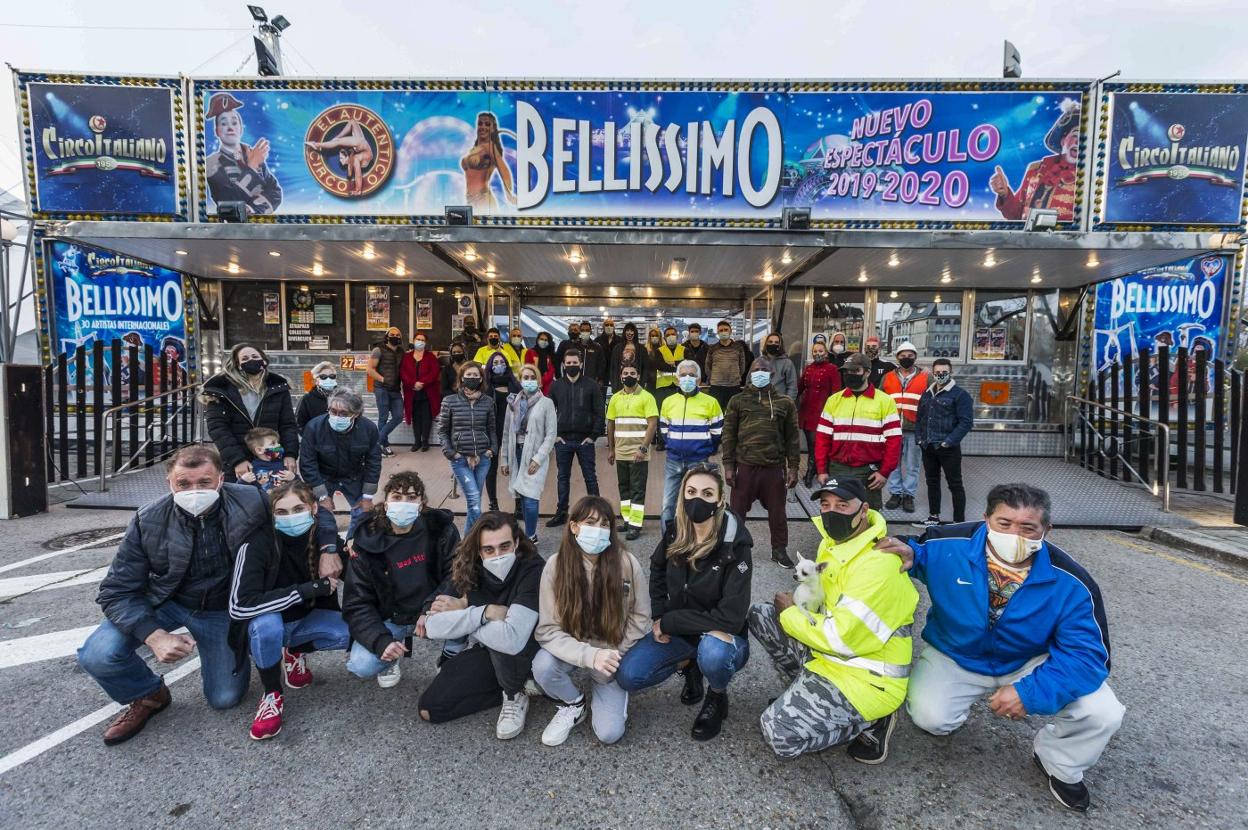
point(571, 650)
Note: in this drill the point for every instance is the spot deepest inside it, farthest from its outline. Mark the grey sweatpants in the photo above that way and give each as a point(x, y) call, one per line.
point(608, 703)
point(812, 714)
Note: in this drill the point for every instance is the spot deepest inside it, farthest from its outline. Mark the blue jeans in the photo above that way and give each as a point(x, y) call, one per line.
point(363, 663)
point(389, 412)
point(904, 481)
point(673, 472)
point(650, 662)
point(530, 515)
point(322, 628)
point(109, 657)
point(565, 451)
point(352, 491)
point(471, 481)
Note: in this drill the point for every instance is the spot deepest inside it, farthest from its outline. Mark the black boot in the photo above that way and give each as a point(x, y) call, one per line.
point(809, 480)
point(714, 712)
point(558, 519)
point(692, 692)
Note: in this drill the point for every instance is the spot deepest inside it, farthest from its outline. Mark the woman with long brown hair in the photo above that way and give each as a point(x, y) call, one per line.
point(490, 600)
point(700, 597)
point(486, 156)
point(594, 607)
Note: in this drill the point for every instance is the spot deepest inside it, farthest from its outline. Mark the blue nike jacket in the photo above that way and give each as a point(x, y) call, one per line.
point(1056, 611)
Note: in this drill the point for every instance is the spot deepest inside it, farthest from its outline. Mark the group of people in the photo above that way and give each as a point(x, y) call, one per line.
point(245, 553)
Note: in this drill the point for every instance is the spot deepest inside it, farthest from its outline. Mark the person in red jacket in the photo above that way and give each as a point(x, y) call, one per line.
point(859, 432)
point(820, 379)
point(543, 357)
point(421, 375)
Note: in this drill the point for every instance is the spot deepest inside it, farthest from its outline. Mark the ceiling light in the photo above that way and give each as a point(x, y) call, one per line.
point(936, 299)
point(893, 261)
point(678, 268)
point(441, 289)
point(824, 295)
point(470, 255)
point(368, 252)
point(400, 269)
point(786, 258)
point(232, 267)
point(768, 276)
point(602, 309)
point(489, 270)
point(862, 276)
point(180, 252)
point(574, 257)
point(275, 253)
point(1093, 262)
point(317, 269)
point(1036, 278)
point(946, 279)
point(583, 274)
point(990, 261)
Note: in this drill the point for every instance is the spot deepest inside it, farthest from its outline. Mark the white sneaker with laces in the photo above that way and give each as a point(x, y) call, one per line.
point(512, 716)
point(390, 676)
point(567, 717)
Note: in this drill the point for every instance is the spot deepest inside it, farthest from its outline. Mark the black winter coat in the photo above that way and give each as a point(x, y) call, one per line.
point(312, 404)
point(715, 597)
point(329, 455)
point(368, 599)
point(228, 422)
point(156, 553)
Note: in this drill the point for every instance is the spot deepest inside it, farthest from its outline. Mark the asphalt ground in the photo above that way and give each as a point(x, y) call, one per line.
point(353, 754)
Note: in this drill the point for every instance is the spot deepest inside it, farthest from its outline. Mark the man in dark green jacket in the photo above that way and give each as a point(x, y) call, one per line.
point(761, 453)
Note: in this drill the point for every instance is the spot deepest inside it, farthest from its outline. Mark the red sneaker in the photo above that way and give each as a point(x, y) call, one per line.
point(268, 720)
point(295, 670)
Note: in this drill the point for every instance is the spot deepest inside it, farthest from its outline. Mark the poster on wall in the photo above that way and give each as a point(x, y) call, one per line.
point(377, 310)
point(272, 308)
point(1175, 158)
point(99, 296)
point(102, 148)
point(989, 343)
point(424, 313)
point(931, 155)
point(1180, 305)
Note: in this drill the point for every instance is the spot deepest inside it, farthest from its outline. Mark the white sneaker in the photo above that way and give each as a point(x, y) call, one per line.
point(390, 676)
point(567, 717)
point(512, 716)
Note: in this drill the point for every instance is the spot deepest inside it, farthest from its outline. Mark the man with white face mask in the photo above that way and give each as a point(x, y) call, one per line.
point(1016, 618)
point(172, 570)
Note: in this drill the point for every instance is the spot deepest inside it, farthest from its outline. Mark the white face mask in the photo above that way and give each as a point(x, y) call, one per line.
point(838, 348)
point(593, 540)
point(500, 565)
point(196, 502)
point(1011, 548)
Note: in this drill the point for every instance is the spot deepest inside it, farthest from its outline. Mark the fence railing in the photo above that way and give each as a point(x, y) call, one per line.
point(172, 405)
point(1095, 445)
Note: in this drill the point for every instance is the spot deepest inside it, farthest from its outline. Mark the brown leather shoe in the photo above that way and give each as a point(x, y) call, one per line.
point(135, 716)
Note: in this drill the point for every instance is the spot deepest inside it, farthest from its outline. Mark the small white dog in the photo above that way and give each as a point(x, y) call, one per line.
point(808, 595)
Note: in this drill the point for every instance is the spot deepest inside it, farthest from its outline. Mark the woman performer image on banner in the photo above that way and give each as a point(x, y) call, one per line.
point(237, 172)
point(479, 165)
point(355, 154)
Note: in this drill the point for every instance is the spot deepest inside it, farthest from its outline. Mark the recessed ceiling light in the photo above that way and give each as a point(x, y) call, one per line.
point(824, 294)
point(470, 255)
point(583, 274)
point(946, 279)
point(1093, 262)
point(441, 289)
point(678, 268)
point(936, 299)
point(893, 261)
point(574, 257)
point(275, 253)
point(317, 269)
point(768, 276)
point(786, 258)
point(862, 276)
point(1036, 278)
point(232, 267)
point(892, 295)
point(180, 252)
point(990, 260)
point(400, 269)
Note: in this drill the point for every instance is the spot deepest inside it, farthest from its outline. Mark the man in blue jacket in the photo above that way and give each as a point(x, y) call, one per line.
point(944, 418)
point(1015, 617)
point(343, 455)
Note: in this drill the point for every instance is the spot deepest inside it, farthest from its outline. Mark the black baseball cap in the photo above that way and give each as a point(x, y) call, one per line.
point(847, 487)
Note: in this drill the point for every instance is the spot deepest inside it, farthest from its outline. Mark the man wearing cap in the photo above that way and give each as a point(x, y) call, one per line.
point(238, 172)
point(847, 661)
point(879, 366)
point(859, 431)
point(905, 385)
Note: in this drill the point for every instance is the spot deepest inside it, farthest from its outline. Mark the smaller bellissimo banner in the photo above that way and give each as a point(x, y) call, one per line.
point(1172, 156)
point(103, 146)
point(1179, 305)
point(918, 153)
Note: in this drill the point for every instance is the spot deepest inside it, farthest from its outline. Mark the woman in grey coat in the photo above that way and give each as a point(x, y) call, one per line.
point(529, 431)
point(783, 372)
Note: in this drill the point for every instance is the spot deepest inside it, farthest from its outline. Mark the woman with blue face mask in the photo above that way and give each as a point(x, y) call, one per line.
point(503, 384)
point(529, 432)
point(593, 608)
point(400, 555)
point(281, 608)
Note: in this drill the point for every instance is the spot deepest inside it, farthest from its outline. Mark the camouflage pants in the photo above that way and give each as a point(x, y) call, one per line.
point(811, 714)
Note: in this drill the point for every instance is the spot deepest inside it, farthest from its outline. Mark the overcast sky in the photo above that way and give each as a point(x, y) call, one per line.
point(1153, 39)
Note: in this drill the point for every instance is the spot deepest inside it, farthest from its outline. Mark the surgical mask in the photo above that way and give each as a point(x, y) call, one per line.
point(543, 344)
point(854, 380)
point(499, 566)
point(687, 384)
point(699, 510)
point(941, 378)
point(402, 513)
point(571, 371)
point(761, 380)
point(839, 526)
point(654, 341)
point(1011, 548)
point(725, 336)
point(774, 349)
point(471, 384)
point(695, 336)
point(498, 368)
point(516, 341)
point(252, 367)
point(340, 423)
point(419, 345)
point(327, 384)
point(272, 453)
point(838, 348)
point(670, 341)
point(630, 381)
point(905, 362)
point(608, 331)
point(295, 524)
point(593, 540)
point(528, 385)
point(585, 336)
point(494, 341)
point(196, 502)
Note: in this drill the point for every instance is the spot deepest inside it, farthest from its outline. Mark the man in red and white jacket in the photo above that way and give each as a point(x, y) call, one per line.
point(859, 432)
point(906, 385)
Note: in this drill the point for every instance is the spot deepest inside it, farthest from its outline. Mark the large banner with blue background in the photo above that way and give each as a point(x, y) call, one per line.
point(861, 154)
point(101, 296)
point(1173, 158)
point(103, 146)
point(1178, 305)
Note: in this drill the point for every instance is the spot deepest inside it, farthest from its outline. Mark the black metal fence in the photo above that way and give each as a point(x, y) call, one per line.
point(144, 396)
point(1200, 403)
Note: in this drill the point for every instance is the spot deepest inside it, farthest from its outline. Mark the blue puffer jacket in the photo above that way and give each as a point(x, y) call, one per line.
point(944, 416)
point(1056, 611)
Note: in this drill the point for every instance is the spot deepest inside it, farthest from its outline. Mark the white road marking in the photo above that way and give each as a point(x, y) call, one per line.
point(18, 585)
point(36, 748)
point(22, 650)
point(32, 560)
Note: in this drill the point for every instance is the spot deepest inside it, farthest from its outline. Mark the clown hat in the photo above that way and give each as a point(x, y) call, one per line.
point(221, 103)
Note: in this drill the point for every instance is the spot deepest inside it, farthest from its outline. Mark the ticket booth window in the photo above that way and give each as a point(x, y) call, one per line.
point(931, 320)
point(999, 326)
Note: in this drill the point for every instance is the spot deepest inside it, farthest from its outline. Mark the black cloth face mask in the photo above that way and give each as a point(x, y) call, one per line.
point(252, 367)
point(699, 510)
point(839, 526)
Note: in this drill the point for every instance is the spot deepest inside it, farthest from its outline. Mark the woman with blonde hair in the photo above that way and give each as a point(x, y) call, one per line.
point(699, 597)
point(529, 432)
point(593, 608)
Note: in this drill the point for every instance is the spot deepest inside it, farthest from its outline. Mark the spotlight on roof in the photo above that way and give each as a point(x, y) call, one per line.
point(462, 214)
point(258, 14)
point(232, 211)
point(1040, 219)
point(795, 219)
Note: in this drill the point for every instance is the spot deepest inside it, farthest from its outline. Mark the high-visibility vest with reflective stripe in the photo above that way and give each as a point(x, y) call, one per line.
point(906, 394)
point(861, 639)
point(485, 352)
point(671, 357)
point(692, 426)
point(630, 412)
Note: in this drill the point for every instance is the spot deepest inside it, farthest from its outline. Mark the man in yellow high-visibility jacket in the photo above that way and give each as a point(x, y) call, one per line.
point(847, 655)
